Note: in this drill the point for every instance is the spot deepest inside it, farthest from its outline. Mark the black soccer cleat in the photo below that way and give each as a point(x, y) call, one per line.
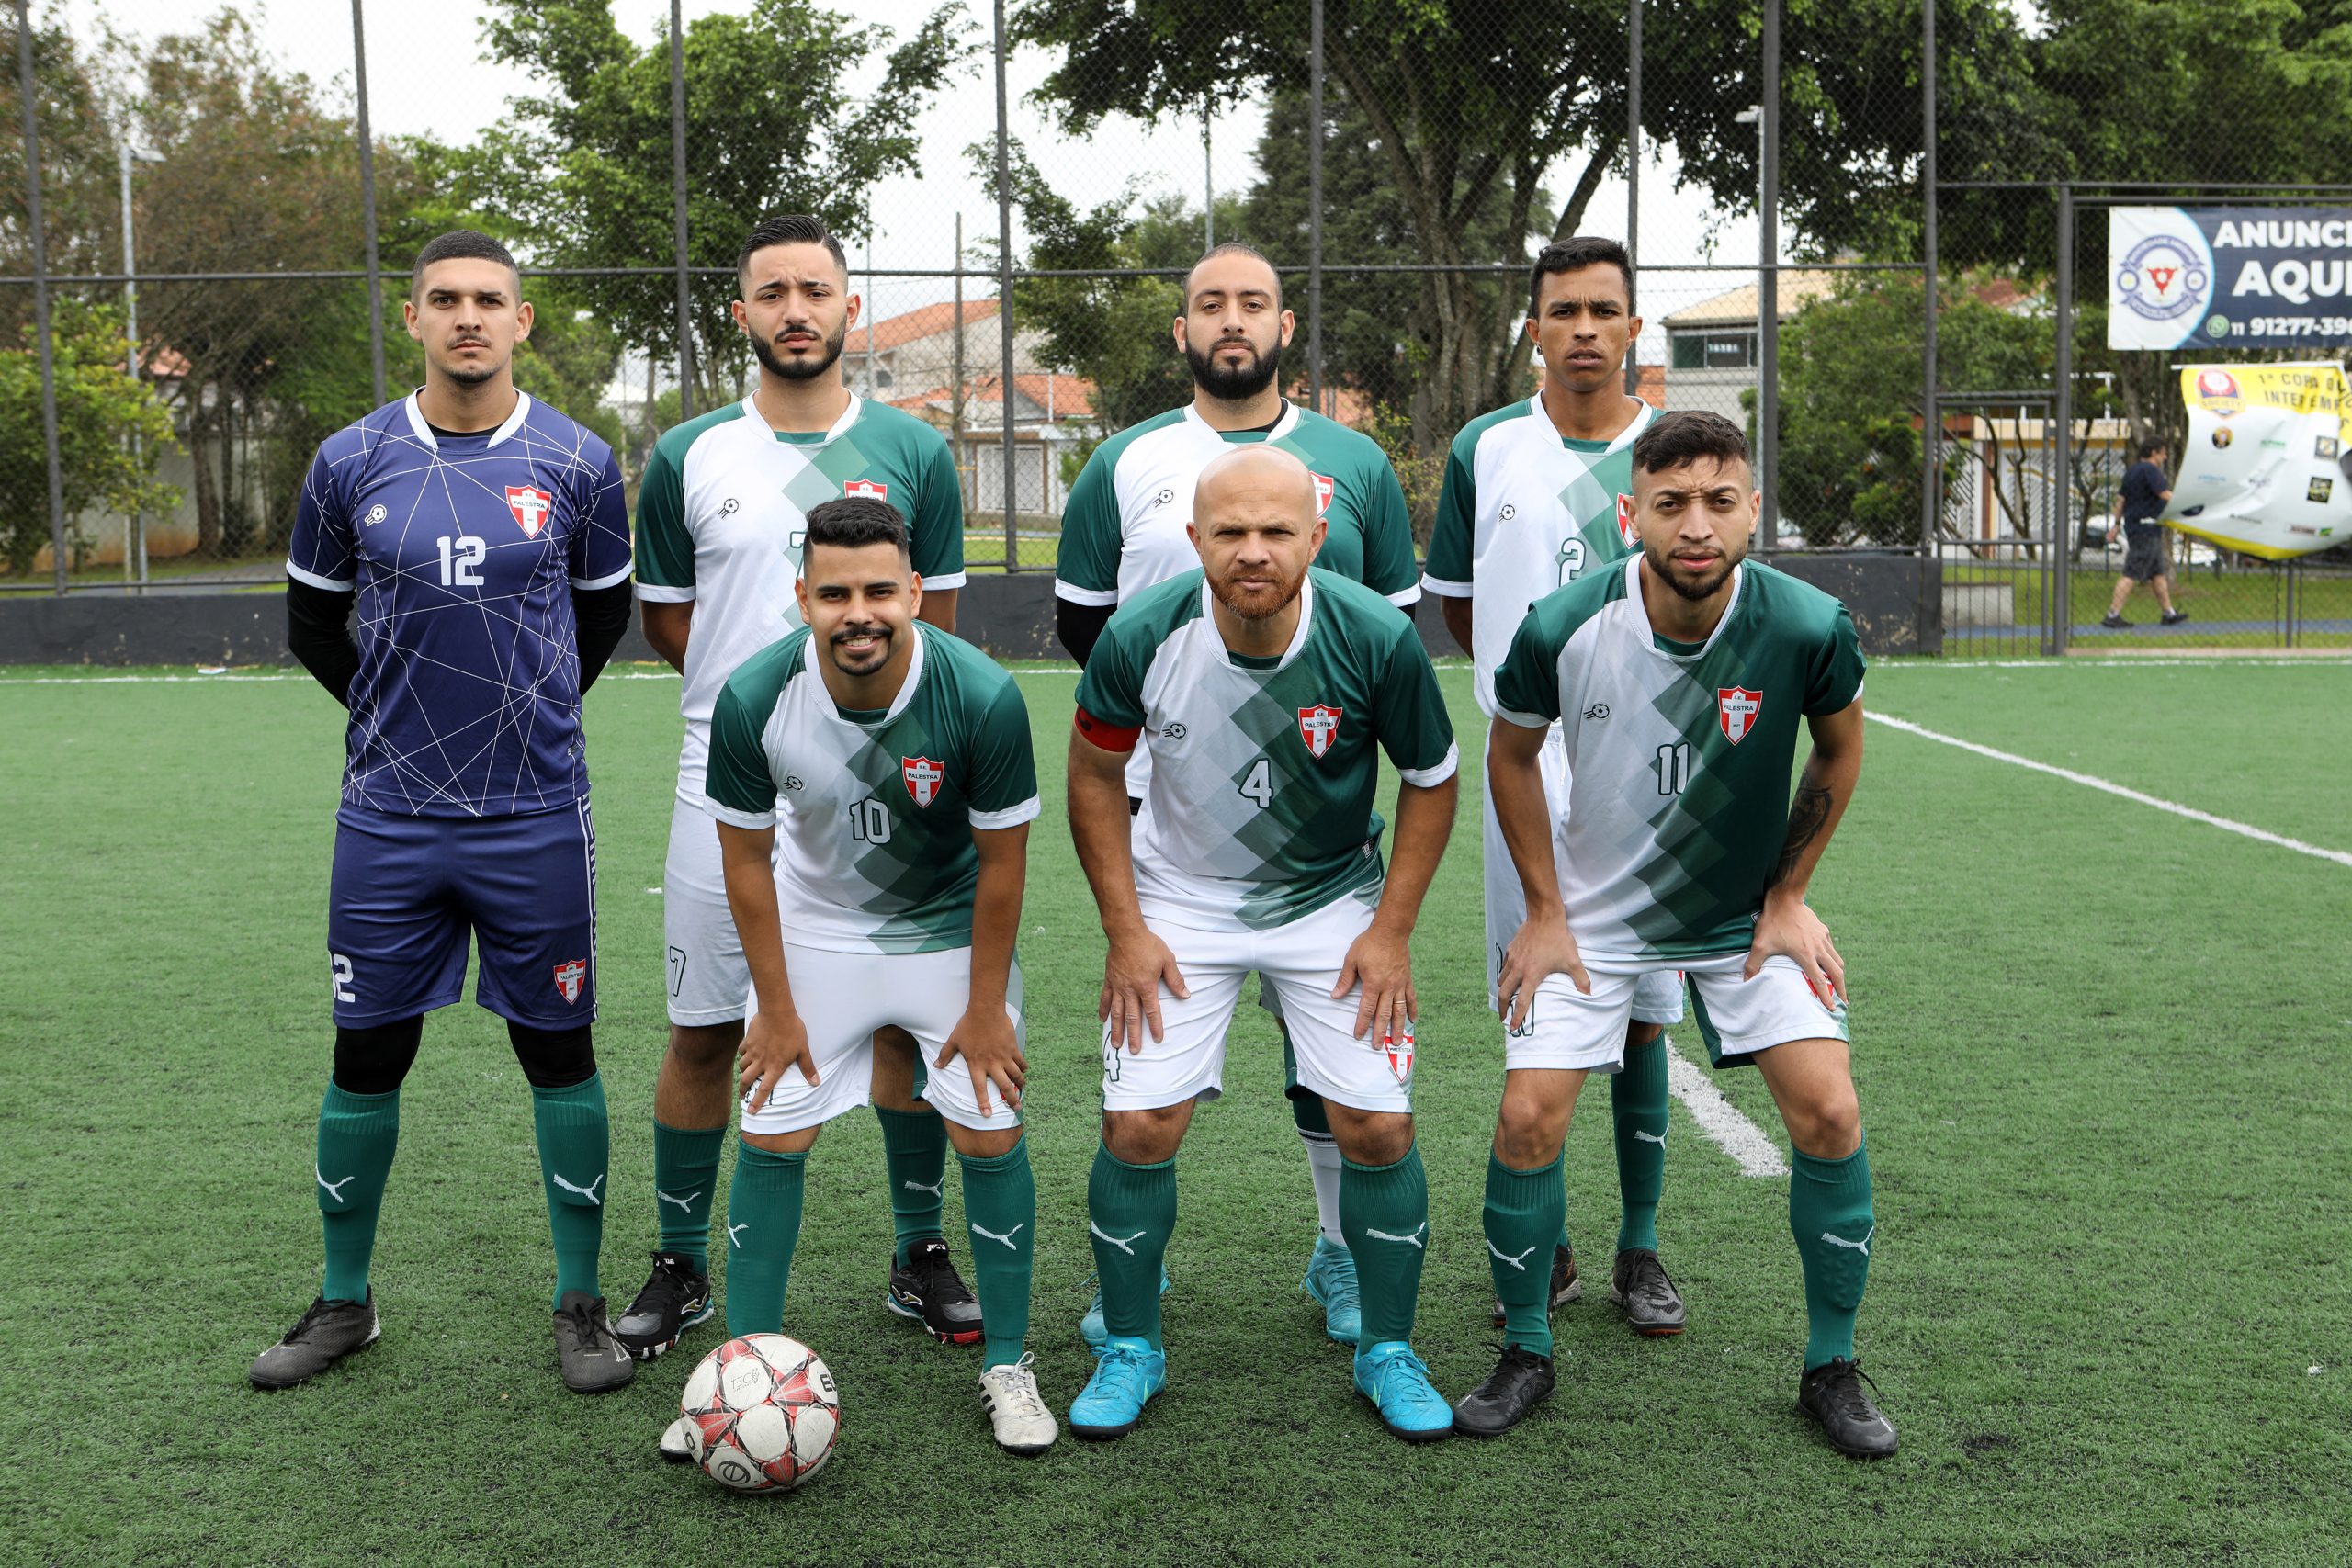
point(324, 1334)
point(2173, 617)
point(591, 1358)
point(1521, 1381)
point(675, 1299)
point(1832, 1393)
point(929, 1290)
point(2114, 622)
point(1639, 1285)
point(1565, 1286)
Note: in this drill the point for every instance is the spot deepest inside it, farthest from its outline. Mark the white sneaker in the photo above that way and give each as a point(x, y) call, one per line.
point(1023, 1425)
point(678, 1443)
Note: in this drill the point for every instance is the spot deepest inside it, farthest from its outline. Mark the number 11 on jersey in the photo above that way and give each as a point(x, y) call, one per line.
point(1673, 767)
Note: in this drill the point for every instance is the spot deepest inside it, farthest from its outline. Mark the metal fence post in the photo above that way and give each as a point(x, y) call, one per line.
point(1633, 173)
point(2061, 521)
point(678, 209)
point(1767, 292)
point(1931, 421)
point(41, 292)
point(367, 201)
point(1004, 294)
point(1315, 205)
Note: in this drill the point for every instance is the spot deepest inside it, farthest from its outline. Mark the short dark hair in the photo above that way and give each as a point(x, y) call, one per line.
point(461, 245)
point(1686, 435)
point(1233, 248)
point(2151, 446)
point(790, 228)
point(1574, 256)
point(854, 522)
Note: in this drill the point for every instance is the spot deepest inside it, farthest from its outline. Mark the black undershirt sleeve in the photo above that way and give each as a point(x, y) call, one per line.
point(1079, 625)
point(602, 615)
point(317, 632)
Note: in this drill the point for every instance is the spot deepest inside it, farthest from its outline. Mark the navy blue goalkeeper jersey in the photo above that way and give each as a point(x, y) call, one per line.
point(463, 551)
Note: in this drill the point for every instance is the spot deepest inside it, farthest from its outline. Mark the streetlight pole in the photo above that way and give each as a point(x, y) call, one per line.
point(134, 533)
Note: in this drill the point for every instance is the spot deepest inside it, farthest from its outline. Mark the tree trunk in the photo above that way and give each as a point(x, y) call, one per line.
point(201, 417)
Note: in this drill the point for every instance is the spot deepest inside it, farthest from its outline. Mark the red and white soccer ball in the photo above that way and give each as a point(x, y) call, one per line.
point(762, 1414)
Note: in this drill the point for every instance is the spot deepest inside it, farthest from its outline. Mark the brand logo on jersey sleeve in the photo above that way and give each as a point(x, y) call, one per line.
point(570, 977)
point(1625, 529)
point(923, 778)
point(1319, 727)
point(874, 489)
point(1324, 486)
point(530, 506)
point(1736, 710)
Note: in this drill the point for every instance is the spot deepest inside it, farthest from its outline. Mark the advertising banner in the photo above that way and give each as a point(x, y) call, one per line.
point(2268, 465)
point(2240, 277)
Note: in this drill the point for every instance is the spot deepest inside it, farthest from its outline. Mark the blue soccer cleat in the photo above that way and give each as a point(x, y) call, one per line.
point(1128, 1373)
point(1331, 1280)
point(1394, 1378)
point(1092, 1329)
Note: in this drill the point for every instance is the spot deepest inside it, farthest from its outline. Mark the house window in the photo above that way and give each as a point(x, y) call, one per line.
point(1713, 351)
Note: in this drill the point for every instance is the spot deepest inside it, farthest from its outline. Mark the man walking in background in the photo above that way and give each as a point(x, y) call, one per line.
point(2139, 503)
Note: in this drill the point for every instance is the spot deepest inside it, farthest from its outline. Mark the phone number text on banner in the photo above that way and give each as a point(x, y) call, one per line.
point(2228, 276)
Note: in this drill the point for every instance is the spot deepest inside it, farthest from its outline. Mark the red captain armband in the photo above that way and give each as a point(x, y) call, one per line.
point(1110, 737)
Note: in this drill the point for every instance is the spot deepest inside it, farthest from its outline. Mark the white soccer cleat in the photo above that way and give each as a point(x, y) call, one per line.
point(678, 1441)
point(1023, 1425)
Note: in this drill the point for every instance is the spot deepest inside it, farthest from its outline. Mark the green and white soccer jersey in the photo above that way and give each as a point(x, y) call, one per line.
point(722, 512)
point(1122, 529)
point(1264, 771)
point(1679, 758)
point(1524, 511)
point(874, 812)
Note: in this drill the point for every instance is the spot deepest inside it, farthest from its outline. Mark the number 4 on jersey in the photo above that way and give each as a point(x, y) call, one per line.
point(1258, 784)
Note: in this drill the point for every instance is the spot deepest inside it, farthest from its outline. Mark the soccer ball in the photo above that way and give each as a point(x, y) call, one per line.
point(762, 1414)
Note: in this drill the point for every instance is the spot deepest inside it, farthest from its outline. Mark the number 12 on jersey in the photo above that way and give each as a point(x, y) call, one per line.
point(461, 559)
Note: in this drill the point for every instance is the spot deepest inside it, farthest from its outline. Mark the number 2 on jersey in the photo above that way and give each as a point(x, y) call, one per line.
point(461, 558)
point(1258, 784)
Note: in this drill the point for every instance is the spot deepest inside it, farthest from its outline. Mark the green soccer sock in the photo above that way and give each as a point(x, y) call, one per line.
point(1131, 1211)
point(1385, 1210)
point(763, 1227)
point(1829, 1211)
point(685, 1180)
point(1637, 1101)
point(575, 1145)
point(1000, 1210)
point(357, 1133)
point(914, 1157)
point(1522, 1215)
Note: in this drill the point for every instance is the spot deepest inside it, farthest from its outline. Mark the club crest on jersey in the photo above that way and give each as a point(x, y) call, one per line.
point(530, 506)
point(1736, 710)
point(873, 490)
point(923, 778)
point(570, 977)
point(1625, 529)
point(1319, 727)
point(1324, 486)
point(1399, 1049)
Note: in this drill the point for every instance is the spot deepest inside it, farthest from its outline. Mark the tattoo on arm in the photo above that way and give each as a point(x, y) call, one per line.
point(1806, 815)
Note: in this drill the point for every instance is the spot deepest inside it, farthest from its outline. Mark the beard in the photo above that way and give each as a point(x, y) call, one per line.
point(885, 642)
point(471, 374)
point(801, 369)
point(1233, 383)
point(1256, 604)
point(1662, 567)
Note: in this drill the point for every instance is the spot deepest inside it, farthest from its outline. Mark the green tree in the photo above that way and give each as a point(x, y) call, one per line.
point(581, 178)
point(110, 429)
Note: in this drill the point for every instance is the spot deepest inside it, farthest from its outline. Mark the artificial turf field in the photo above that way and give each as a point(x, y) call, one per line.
point(2101, 1052)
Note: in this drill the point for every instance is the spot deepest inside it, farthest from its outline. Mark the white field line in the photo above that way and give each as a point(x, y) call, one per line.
point(1719, 1119)
point(2323, 661)
point(2092, 781)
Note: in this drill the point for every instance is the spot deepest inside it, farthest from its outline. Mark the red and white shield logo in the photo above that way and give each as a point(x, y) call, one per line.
point(872, 488)
point(1400, 1048)
point(570, 977)
point(1319, 727)
point(923, 778)
point(1625, 529)
point(1736, 710)
point(530, 507)
point(1323, 487)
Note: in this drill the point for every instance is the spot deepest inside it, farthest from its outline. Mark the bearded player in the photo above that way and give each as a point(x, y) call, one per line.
point(1124, 529)
point(481, 538)
point(720, 520)
point(1266, 692)
point(873, 787)
point(1677, 680)
point(1538, 495)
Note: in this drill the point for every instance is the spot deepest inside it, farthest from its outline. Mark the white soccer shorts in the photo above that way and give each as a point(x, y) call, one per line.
point(1300, 963)
point(843, 997)
point(1658, 996)
point(1738, 1018)
point(706, 980)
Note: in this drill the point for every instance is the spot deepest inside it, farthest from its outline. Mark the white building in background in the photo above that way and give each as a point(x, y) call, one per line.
point(1710, 347)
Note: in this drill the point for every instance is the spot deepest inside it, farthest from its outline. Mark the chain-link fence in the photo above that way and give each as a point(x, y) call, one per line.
point(1863, 271)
